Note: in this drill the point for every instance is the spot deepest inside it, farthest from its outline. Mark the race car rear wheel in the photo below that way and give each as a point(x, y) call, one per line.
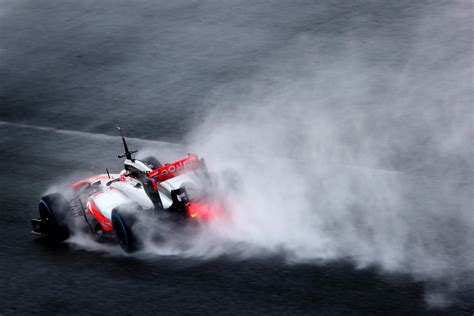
point(55, 214)
point(153, 161)
point(124, 218)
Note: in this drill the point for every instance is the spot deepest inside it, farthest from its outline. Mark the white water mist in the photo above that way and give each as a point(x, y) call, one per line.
point(349, 156)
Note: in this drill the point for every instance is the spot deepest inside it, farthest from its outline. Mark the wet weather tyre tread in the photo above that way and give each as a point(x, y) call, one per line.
point(122, 223)
point(55, 210)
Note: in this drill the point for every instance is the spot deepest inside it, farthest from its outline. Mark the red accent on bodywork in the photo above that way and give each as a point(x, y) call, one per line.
point(122, 176)
point(104, 222)
point(90, 180)
point(168, 171)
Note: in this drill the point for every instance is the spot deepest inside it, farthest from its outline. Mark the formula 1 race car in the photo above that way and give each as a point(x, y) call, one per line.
point(109, 205)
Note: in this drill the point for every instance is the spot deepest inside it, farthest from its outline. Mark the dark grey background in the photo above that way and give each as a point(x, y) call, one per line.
point(153, 67)
point(149, 60)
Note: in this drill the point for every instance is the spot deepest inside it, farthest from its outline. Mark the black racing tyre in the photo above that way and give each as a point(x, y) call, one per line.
point(153, 161)
point(55, 212)
point(124, 219)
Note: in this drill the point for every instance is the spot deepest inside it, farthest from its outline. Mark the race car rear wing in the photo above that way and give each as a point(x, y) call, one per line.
point(169, 171)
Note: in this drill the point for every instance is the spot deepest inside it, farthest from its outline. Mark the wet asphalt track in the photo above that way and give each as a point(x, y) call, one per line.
point(37, 277)
point(73, 66)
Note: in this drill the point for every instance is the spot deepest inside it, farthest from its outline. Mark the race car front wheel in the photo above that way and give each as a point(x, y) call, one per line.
point(124, 218)
point(55, 214)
